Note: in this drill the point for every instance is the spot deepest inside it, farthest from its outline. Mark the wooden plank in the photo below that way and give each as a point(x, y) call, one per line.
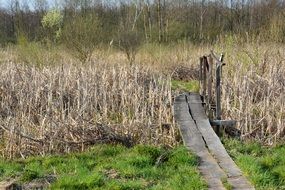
point(213, 142)
point(225, 123)
point(191, 136)
point(240, 182)
point(193, 140)
point(211, 171)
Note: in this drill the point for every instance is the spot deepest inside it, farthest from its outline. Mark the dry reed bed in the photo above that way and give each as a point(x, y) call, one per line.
point(65, 108)
point(254, 91)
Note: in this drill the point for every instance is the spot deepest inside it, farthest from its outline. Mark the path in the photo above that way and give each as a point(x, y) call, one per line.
point(216, 166)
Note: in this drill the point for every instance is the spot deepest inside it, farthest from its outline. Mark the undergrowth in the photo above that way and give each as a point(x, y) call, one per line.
point(264, 166)
point(52, 89)
point(111, 167)
point(190, 86)
point(70, 107)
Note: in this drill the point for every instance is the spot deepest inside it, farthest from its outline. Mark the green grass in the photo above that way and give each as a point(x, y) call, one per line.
point(112, 167)
point(264, 166)
point(191, 86)
point(226, 184)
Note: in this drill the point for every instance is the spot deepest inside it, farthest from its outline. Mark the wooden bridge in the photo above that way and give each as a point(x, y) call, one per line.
point(190, 109)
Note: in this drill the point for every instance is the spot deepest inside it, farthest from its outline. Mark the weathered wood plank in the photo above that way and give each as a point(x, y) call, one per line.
point(212, 140)
point(214, 144)
point(211, 171)
point(240, 182)
point(193, 140)
point(210, 81)
point(190, 134)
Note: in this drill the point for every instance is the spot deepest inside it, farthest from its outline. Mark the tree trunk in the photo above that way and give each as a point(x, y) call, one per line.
point(145, 23)
point(202, 12)
point(159, 15)
point(149, 20)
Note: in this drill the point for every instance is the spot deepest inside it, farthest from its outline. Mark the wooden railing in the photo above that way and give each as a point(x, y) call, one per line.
point(211, 88)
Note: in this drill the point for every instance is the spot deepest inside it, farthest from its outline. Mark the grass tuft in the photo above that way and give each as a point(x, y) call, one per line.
point(191, 86)
point(111, 167)
point(264, 166)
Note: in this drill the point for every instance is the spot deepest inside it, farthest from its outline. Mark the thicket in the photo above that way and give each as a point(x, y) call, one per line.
point(84, 22)
point(65, 108)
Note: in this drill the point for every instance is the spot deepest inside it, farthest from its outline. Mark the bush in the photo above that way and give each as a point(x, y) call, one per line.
point(277, 28)
point(34, 53)
point(52, 23)
point(82, 34)
point(129, 42)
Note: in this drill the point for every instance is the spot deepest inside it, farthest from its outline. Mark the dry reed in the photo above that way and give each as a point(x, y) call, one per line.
point(66, 108)
point(253, 91)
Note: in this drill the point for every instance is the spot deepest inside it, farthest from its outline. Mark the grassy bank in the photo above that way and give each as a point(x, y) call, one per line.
point(109, 167)
point(264, 166)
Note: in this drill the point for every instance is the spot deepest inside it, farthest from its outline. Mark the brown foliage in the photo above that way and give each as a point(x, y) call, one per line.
point(68, 108)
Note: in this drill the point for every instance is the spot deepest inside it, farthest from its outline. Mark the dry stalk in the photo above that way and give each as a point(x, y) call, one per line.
point(67, 108)
point(253, 92)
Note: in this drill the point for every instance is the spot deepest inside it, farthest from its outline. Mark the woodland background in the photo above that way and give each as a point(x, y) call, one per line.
point(163, 21)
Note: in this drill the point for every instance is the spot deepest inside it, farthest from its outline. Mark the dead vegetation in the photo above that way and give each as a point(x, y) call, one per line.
point(66, 108)
point(63, 107)
point(253, 91)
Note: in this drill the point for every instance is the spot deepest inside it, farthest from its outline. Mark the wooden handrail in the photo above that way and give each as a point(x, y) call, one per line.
point(208, 90)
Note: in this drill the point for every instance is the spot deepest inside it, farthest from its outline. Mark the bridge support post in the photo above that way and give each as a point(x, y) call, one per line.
point(208, 93)
point(218, 91)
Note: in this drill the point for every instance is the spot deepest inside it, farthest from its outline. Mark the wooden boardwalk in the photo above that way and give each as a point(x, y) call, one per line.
point(216, 166)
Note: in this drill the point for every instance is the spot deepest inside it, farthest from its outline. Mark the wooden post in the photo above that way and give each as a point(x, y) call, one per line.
point(218, 91)
point(205, 63)
point(201, 74)
point(210, 80)
point(1, 135)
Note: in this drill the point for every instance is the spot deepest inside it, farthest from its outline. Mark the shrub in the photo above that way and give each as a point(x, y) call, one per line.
point(129, 42)
point(36, 54)
point(52, 23)
point(82, 34)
